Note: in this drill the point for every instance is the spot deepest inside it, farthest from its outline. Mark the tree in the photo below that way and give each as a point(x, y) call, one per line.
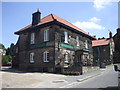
point(8, 51)
point(6, 59)
point(2, 46)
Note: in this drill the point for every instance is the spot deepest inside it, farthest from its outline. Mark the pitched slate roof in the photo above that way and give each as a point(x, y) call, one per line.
point(51, 18)
point(100, 42)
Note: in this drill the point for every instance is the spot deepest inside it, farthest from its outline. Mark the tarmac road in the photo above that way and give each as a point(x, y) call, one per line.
point(108, 79)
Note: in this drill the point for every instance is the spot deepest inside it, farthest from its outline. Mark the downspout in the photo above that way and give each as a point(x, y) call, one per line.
point(98, 56)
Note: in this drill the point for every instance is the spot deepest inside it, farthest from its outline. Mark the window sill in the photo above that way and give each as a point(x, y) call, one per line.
point(32, 43)
point(46, 41)
point(31, 62)
point(46, 61)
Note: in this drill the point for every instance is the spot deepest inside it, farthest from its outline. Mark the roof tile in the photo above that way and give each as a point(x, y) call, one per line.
point(52, 17)
point(100, 42)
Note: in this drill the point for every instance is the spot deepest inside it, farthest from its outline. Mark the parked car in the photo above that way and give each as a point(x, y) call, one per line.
point(117, 69)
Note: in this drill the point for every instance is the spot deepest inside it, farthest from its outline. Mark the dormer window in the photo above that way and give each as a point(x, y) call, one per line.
point(32, 41)
point(46, 35)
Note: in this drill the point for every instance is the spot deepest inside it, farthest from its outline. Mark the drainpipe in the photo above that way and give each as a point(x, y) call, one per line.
point(98, 55)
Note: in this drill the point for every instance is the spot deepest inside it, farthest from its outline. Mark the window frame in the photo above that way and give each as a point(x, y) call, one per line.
point(32, 38)
point(66, 37)
point(32, 55)
point(46, 35)
point(46, 56)
point(77, 40)
point(86, 44)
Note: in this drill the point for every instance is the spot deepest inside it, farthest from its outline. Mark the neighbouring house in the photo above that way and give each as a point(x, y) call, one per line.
point(52, 44)
point(116, 38)
point(103, 50)
point(2, 53)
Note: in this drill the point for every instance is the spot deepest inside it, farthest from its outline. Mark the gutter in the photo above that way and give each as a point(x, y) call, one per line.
point(51, 23)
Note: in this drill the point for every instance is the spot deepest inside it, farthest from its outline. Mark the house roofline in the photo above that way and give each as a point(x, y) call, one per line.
point(54, 22)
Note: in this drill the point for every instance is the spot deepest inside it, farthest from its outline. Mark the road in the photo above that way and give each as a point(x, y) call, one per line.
point(107, 79)
point(17, 79)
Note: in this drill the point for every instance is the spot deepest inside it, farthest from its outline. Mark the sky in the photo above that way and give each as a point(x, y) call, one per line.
point(96, 18)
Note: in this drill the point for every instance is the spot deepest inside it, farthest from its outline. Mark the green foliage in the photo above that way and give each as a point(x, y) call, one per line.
point(7, 59)
point(2, 46)
point(8, 51)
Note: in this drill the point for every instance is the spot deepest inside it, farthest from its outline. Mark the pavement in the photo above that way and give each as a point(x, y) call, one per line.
point(17, 79)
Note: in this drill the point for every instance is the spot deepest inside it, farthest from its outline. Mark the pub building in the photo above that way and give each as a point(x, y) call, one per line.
point(52, 44)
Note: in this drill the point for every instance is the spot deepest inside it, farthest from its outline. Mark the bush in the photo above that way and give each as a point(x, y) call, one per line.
point(7, 59)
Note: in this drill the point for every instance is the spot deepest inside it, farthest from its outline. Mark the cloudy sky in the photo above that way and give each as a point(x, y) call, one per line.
point(96, 18)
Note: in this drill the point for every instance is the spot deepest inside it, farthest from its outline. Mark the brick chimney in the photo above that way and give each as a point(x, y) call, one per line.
point(36, 17)
point(110, 34)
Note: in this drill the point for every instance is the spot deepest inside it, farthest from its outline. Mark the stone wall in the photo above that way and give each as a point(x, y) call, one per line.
point(56, 51)
point(25, 48)
point(61, 51)
point(116, 39)
point(87, 69)
point(102, 54)
point(39, 64)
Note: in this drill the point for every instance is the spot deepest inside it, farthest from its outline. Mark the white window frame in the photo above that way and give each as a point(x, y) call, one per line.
point(46, 35)
point(66, 57)
point(77, 40)
point(86, 44)
point(66, 37)
point(32, 57)
point(32, 40)
point(46, 56)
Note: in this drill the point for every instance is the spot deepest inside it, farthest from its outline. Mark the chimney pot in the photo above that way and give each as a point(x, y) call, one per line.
point(38, 10)
point(110, 34)
point(36, 17)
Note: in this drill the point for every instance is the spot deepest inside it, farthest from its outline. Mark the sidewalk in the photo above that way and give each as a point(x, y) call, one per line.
point(17, 79)
point(69, 81)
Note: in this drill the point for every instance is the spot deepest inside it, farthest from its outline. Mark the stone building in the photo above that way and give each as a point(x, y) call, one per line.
point(103, 50)
point(52, 44)
point(1, 54)
point(116, 38)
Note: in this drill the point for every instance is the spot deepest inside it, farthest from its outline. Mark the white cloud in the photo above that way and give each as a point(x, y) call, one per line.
point(94, 19)
point(88, 25)
point(100, 4)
